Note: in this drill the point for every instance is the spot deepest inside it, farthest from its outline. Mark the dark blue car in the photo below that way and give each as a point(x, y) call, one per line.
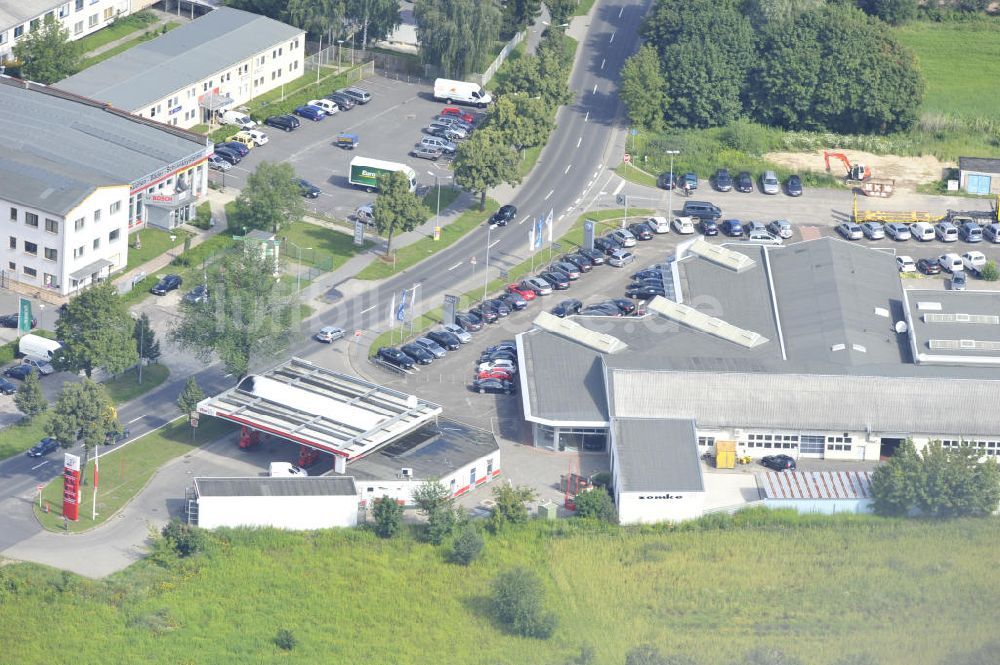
point(233, 146)
point(43, 447)
point(7, 388)
point(19, 372)
point(732, 228)
point(310, 112)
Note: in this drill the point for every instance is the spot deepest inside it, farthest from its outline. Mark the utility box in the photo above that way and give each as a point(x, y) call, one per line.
point(547, 511)
point(725, 454)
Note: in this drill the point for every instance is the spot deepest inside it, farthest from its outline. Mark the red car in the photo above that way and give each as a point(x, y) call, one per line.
point(495, 373)
point(527, 294)
point(459, 113)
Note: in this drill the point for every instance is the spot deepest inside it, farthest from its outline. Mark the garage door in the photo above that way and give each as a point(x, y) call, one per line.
point(977, 184)
point(811, 446)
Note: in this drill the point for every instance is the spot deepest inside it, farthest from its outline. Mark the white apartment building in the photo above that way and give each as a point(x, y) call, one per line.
point(18, 18)
point(216, 62)
point(76, 176)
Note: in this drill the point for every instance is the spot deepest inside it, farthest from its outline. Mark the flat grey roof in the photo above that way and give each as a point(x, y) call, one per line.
point(981, 164)
point(578, 395)
point(153, 70)
point(815, 484)
point(318, 486)
point(433, 451)
point(15, 12)
point(954, 327)
point(657, 455)
point(55, 147)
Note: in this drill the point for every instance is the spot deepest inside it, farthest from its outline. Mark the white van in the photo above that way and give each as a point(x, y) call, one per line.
point(241, 120)
point(658, 224)
point(39, 348)
point(285, 470)
point(461, 92)
point(922, 231)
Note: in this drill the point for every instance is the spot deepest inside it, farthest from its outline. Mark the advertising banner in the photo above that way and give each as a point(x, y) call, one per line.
point(24, 316)
point(71, 487)
point(449, 311)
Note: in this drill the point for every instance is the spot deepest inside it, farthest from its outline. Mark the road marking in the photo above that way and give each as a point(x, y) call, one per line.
point(38, 466)
point(526, 218)
point(579, 141)
point(552, 191)
point(590, 183)
point(369, 309)
point(620, 11)
point(603, 60)
point(577, 202)
point(612, 40)
point(457, 265)
point(619, 188)
point(586, 117)
point(568, 167)
point(595, 92)
point(491, 244)
point(135, 419)
point(561, 217)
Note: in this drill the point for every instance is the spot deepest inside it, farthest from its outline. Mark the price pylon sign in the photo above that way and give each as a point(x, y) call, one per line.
point(71, 487)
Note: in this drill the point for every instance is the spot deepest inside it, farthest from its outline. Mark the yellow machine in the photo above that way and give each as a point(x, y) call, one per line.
point(725, 454)
point(906, 217)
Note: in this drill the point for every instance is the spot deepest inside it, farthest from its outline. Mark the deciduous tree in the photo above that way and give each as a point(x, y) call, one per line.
point(376, 18)
point(47, 53)
point(643, 89)
point(29, 398)
point(83, 412)
point(510, 505)
point(457, 35)
point(397, 208)
point(249, 317)
point(146, 344)
point(96, 331)
point(485, 161)
point(388, 516)
point(521, 121)
point(518, 602)
point(188, 400)
point(518, 14)
point(597, 504)
point(271, 198)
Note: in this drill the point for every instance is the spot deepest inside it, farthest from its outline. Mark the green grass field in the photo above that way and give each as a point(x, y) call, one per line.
point(819, 589)
point(961, 63)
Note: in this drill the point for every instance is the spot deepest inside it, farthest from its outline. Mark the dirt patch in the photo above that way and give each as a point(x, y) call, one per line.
point(906, 171)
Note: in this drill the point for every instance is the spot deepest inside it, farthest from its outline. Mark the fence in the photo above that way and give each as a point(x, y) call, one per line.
point(486, 76)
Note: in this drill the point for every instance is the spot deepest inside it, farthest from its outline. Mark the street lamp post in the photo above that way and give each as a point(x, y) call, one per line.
point(340, 48)
point(437, 186)
point(486, 268)
point(670, 195)
point(298, 272)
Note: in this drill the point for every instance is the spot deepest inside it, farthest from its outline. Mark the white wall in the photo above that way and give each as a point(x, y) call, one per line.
point(79, 18)
point(823, 506)
point(459, 481)
point(753, 442)
point(283, 512)
point(651, 507)
point(103, 212)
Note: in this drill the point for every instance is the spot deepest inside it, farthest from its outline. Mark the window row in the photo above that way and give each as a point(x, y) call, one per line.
point(52, 225)
point(772, 437)
point(53, 254)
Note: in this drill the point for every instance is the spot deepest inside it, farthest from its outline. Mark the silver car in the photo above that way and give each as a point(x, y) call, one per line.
point(754, 227)
point(620, 258)
point(769, 183)
point(458, 331)
point(623, 237)
point(873, 230)
point(898, 231)
point(763, 238)
point(329, 334)
point(850, 231)
point(431, 346)
point(781, 228)
point(538, 285)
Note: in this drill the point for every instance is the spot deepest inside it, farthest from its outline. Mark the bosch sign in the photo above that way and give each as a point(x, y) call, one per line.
point(660, 496)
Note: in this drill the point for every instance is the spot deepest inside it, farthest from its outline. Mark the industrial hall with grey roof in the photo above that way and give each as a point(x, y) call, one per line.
point(810, 349)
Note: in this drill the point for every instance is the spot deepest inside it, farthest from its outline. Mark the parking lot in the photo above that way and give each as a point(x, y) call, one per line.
point(387, 128)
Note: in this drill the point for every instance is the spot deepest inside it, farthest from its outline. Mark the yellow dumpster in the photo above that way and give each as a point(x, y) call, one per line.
point(725, 454)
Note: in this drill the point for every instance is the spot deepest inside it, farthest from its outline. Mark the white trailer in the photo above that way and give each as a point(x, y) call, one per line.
point(461, 92)
point(366, 171)
point(321, 502)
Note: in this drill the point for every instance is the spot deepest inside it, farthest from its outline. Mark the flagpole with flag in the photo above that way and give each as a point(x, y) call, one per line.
point(97, 457)
point(548, 222)
point(531, 245)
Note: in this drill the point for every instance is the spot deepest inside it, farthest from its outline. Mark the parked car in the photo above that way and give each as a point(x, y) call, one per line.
point(308, 112)
point(754, 227)
point(744, 182)
point(19, 371)
point(452, 121)
point(501, 354)
point(581, 262)
point(43, 447)
point(595, 255)
point(641, 231)
point(495, 373)
point(897, 231)
point(769, 183)
point(779, 462)
point(444, 146)
point(970, 232)
point(485, 314)
point(626, 306)
point(283, 122)
point(683, 225)
point(601, 309)
point(689, 181)
point(922, 231)
point(929, 266)
point(523, 289)
point(240, 149)
point(974, 261)
point(605, 245)
point(623, 237)
point(329, 334)
point(648, 273)
point(358, 95)
point(557, 281)
point(166, 284)
point(723, 181)
point(198, 294)
point(230, 156)
point(496, 386)
point(458, 113)
point(763, 238)
point(502, 363)
point(946, 232)
point(905, 264)
point(567, 307)
point(701, 210)
point(6, 387)
point(328, 106)
point(458, 331)
point(217, 163)
point(344, 102)
point(794, 185)
point(781, 228)
point(423, 152)
point(13, 320)
point(621, 258)
point(395, 357)
point(504, 215)
point(503, 345)
point(417, 353)
point(958, 281)
point(850, 231)
point(666, 181)
point(444, 132)
point(951, 262)
point(992, 233)
point(571, 271)
point(501, 308)
point(708, 227)
point(873, 230)
point(658, 224)
point(446, 339)
point(307, 189)
point(469, 322)
point(732, 228)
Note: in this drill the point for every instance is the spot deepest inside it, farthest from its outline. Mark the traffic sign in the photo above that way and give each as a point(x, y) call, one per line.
point(194, 422)
point(627, 158)
point(357, 333)
point(472, 260)
point(39, 487)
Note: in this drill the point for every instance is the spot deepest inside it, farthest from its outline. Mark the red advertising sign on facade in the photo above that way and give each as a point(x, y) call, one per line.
point(71, 487)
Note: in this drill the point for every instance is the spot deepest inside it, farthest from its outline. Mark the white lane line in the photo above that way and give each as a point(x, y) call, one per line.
point(526, 218)
point(457, 265)
point(38, 466)
point(551, 192)
point(603, 60)
point(561, 217)
point(619, 188)
point(595, 92)
point(577, 202)
point(591, 182)
point(135, 419)
point(586, 117)
point(612, 40)
point(579, 141)
point(493, 243)
point(567, 169)
point(369, 309)
point(620, 11)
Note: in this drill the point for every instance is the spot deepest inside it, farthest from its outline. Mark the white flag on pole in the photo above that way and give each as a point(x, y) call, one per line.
point(548, 222)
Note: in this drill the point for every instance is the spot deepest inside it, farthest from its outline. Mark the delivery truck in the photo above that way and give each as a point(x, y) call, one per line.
point(365, 172)
point(461, 92)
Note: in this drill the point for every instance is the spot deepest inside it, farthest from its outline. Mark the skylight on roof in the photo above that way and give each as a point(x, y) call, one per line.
point(720, 255)
point(693, 318)
point(574, 331)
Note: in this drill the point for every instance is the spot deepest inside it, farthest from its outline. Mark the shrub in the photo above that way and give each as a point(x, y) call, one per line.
point(990, 272)
point(518, 599)
point(595, 503)
point(511, 505)
point(468, 545)
point(388, 516)
point(285, 639)
point(185, 540)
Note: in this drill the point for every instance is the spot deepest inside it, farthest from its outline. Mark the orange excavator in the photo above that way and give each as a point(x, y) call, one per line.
point(861, 176)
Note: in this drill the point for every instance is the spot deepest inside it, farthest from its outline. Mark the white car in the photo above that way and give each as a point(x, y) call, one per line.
point(974, 261)
point(658, 224)
point(259, 137)
point(623, 237)
point(951, 262)
point(508, 366)
point(329, 334)
point(906, 264)
point(458, 331)
point(763, 238)
point(683, 225)
point(328, 107)
point(286, 470)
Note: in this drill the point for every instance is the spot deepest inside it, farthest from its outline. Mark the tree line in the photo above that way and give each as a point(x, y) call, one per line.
point(795, 64)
